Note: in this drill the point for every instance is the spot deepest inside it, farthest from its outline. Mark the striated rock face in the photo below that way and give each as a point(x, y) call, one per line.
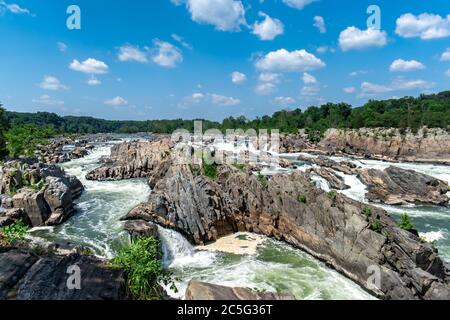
point(132, 160)
point(336, 182)
point(324, 162)
point(27, 276)
point(330, 227)
point(428, 145)
point(197, 290)
point(60, 150)
point(37, 193)
point(293, 143)
point(398, 186)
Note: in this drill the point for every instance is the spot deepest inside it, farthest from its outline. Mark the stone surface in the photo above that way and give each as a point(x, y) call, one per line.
point(396, 186)
point(141, 228)
point(336, 182)
point(197, 290)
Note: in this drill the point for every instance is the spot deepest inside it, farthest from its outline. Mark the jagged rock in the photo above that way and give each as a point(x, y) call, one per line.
point(59, 199)
point(33, 203)
point(428, 145)
point(141, 228)
point(293, 143)
point(324, 162)
point(397, 186)
point(336, 182)
point(197, 290)
point(132, 160)
point(27, 276)
point(332, 228)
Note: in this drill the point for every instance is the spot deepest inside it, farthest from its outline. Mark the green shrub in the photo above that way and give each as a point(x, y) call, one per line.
point(405, 223)
point(332, 195)
point(302, 198)
point(210, 170)
point(263, 180)
point(145, 271)
point(377, 226)
point(367, 212)
point(14, 233)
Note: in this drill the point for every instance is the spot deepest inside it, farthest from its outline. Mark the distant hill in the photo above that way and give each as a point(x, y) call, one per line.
point(408, 112)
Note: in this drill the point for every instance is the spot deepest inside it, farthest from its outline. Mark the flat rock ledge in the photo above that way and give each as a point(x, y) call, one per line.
point(197, 290)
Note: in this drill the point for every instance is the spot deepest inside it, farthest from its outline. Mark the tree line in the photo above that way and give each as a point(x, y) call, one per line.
point(431, 110)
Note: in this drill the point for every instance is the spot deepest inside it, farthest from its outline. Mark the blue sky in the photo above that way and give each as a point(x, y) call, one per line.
point(215, 58)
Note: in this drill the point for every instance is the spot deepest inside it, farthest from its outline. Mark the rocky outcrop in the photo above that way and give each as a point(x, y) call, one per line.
point(396, 186)
point(336, 182)
point(27, 276)
point(60, 150)
point(428, 145)
point(141, 228)
point(293, 143)
point(132, 160)
point(288, 207)
point(197, 290)
point(37, 193)
point(325, 162)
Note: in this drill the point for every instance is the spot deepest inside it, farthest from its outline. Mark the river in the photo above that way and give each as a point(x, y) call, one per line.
point(275, 266)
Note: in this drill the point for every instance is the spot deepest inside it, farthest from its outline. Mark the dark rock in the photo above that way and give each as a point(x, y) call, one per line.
point(197, 290)
point(141, 228)
point(336, 182)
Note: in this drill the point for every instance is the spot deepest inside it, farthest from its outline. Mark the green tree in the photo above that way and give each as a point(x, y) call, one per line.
point(23, 140)
point(4, 125)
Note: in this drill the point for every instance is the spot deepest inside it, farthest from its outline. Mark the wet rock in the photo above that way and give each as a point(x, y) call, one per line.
point(141, 228)
point(197, 290)
point(336, 182)
point(396, 186)
point(325, 162)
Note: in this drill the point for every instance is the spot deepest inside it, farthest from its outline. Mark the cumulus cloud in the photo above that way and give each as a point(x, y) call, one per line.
point(116, 102)
point(224, 100)
point(14, 8)
point(224, 15)
point(309, 79)
point(424, 26)
point(269, 77)
point(265, 88)
point(319, 23)
point(284, 101)
point(298, 4)
point(46, 100)
point(238, 77)
point(89, 66)
point(52, 83)
point(446, 55)
point(349, 90)
point(401, 65)
point(131, 53)
point(269, 28)
point(353, 38)
point(166, 55)
point(93, 81)
point(399, 84)
point(311, 87)
point(283, 60)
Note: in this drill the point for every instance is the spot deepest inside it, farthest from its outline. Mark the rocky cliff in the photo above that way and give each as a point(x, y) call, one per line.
point(340, 231)
point(428, 145)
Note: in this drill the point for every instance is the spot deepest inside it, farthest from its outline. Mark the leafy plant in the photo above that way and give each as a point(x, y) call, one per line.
point(263, 180)
point(367, 212)
point(302, 198)
point(210, 170)
point(23, 140)
point(405, 223)
point(145, 271)
point(332, 195)
point(377, 226)
point(14, 233)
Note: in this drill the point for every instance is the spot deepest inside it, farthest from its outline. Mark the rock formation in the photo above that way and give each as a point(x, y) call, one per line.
point(27, 276)
point(329, 226)
point(398, 186)
point(197, 290)
point(37, 193)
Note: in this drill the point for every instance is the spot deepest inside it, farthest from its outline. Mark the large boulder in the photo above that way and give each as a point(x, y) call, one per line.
point(329, 226)
point(197, 290)
point(397, 186)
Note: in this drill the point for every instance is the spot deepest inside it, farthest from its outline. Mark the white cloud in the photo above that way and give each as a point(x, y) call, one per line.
point(446, 55)
point(399, 84)
point(265, 88)
point(130, 53)
point(224, 100)
point(93, 81)
point(196, 97)
point(62, 46)
point(448, 73)
point(311, 87)
point(14, 8)
point(224, 15)
point(401, 65)
point(349, 90)
point(269, 28)
point(353, 38)
point(238, 77)
point(117, 102)
point(284, 101)
point(425, 26)
point(309, 79)
point(322, 49)
point(310, 90)
point(269, 77)
point(181, 41)
point(358, 72)
point(166, 55)
point(52, 83)
point(46, 100)
point(319, 23)
point(298, 4)
point(289, 61)
point(89, 66)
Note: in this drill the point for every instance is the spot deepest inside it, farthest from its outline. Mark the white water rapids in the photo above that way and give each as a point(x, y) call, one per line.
point(275, 267)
